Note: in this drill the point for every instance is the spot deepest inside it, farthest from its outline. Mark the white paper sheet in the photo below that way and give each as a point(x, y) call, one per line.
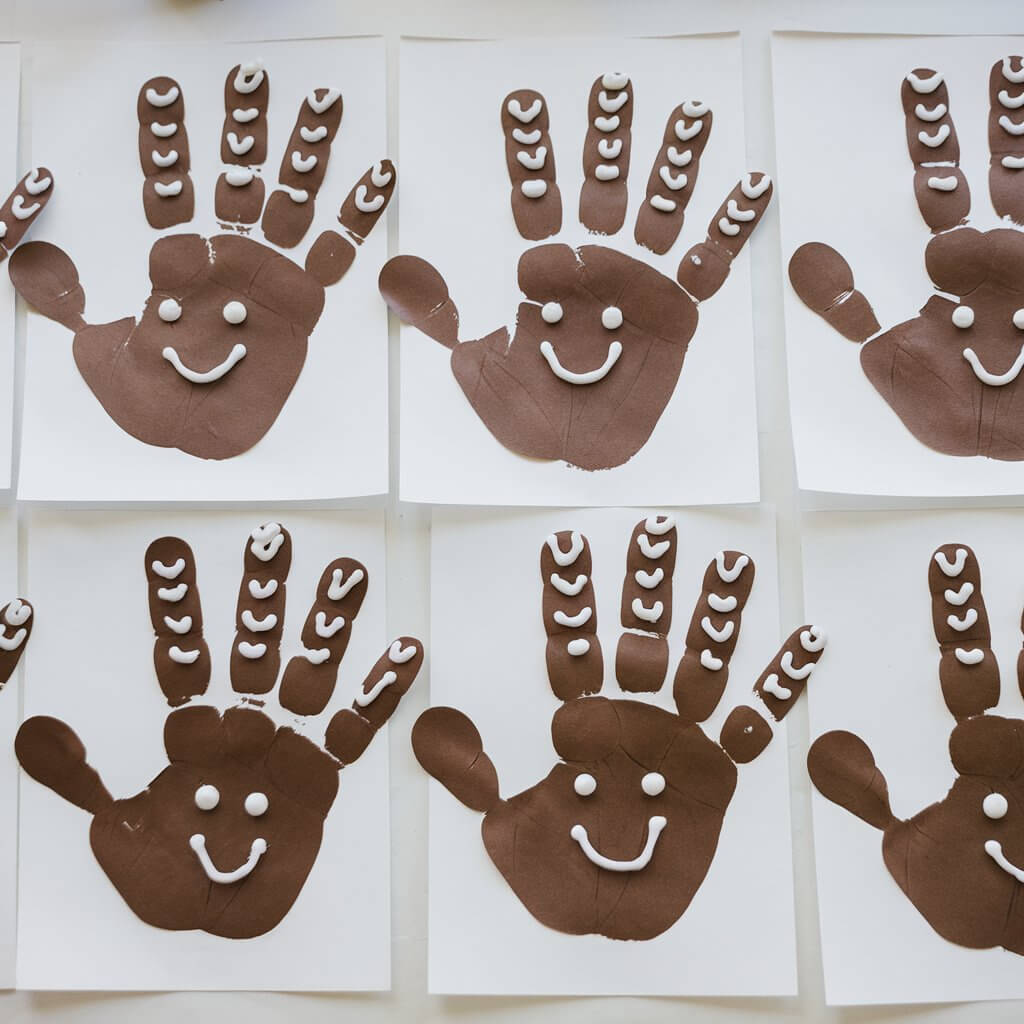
point(866, 576)
point(737, 936)
point(330, 439)
point(10, 77)
point(90, 663)
point(9, 698)
point(455, 213)
point(845, 178)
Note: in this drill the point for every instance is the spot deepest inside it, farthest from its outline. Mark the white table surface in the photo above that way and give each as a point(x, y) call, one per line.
point(408, 527)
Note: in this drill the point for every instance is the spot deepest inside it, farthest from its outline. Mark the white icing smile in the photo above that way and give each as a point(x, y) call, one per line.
point(997, 380)
point(547, 350)
point(654, 829)
point(198, 844)
point(236, 354)
point(995, 850)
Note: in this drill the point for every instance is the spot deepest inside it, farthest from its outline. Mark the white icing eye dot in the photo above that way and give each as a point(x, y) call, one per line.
point(995, 806)
point(256, 804)
point(235, 312)
point(207, 797)
point(963, 317)
point(169, 310)
point(551, 312)
point(1018, 319)
point(653, 783)
point(585, 784)
point(612, 318)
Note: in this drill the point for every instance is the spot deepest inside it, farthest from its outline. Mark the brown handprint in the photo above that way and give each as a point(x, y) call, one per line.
point(952, 372)
point(599, 344)
point(620, 835)
point(223, 335)
point(961, 860)
point(223, 839)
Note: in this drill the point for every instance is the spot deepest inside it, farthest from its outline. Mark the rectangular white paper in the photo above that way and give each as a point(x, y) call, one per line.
point(9, 698)
point(456, 214)
point(845, 178)
point(90, 664)
point(866, 582)
point(10, 80)
point(330, 439)
point(487, 656)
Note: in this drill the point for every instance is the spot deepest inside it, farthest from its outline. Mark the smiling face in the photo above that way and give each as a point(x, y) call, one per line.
point(224, 838)
point(618, 838)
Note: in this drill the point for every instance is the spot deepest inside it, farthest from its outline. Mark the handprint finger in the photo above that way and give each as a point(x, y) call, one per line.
point(15, 629)
point(968, 671)
point(711, 638)
point(843, 769)
point(641, 659)
point(448, 746)
point(22, 207)
point(573, 654)
point(181, 656)
point(1006, 137)
point(673, 176)
point(606, 150)
point(417, 294)
point(705, 267)
point(824, 282)
point(536, 201)
point(943, 195)
point(292, 204)
point(747, 731)
point(310, 677)
point(332, 254)
point(239, 195)
point(259, 614)
point(351, 729)
point(167, 194)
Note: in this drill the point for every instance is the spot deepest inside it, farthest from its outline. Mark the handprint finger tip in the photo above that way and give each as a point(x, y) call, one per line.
point(529, 156)
point(606, 154)
point(17, 618)
point(168, 196)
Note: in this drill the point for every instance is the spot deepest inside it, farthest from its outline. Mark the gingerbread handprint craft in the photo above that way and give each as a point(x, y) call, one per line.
point(599, 342)
point(223, 839)
point(619, 837)
point(951, 373)
point(960, 861)
point(224, 333)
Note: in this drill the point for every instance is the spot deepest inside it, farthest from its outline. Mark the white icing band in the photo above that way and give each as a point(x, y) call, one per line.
point(727, 227)
point(330, 97)
point(694, 108)
point(813, 639)
point(1011, 127)
point(198, 844)
point(168, 160)
point(535, 162)
point(619, 80)
point(658, 526)
point(649, 580)
point(962, 623)
point(237, 177)
point(168, 572)
point(312, 135)
point(588, 377)
point(684, 134)
point(736, 212)
point(924, 86)
point(930, 114)
point(399, 655)
point(724, 605)
point(936, 140)
point(995, 379)
point(365, 205)
point(301, 164)
point(969, 656)
point(327, 629)
point(995, 850)
point(612, 104)
point(515, 108)
point(255, 625)
point(180, 626)
point(183, 657)
point(262, 592)
point(606, 172)
point(296, 195)
point(718, 635)
point(3, 229)
point(1013, 163)
point(654, 829)
point(386, 680)
point(752, 191)
point(161, 99)
point(1010, 75)
point(794, 671)
point(249, 77)
point(954, 568)
point(730, 575)
point(673, 181)
point(564, 558)
point(663, 205)
point(34, 185)
point(961, 596)
point(607, 124)
point(172, 594)
point(265, 532)
point(581, 618)
point(23, 212)
point(775, 688)
point(163, 131)
point(341, 585)
point(243, 115)
point(578, 647)
point(709, 661)
point(526, 138)
point(534, 188)
point(240, 146)
point(641, 611)
point(948, 184)
point(380, 178)
point(17, 613)
point(565, 587)
point(251, 651)
point(265, 550)
point(167, 191)
point(14, 642)
point(609, 149)
point(236, 354)
point(317, 657)
point(678, 158)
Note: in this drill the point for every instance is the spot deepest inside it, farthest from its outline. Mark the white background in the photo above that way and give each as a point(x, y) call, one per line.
point(408, 528)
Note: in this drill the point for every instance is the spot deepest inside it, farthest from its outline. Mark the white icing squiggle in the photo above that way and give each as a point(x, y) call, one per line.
point(578, 647)
point(255, 625)
point(240, 146)
point(678, 158)
point(1011, 102)
point(365, 205)
point(162, 99)
point(534, 188)
point(961, 596)
point(303, 164)
point(962, 623)
point(12, 643)
point(930, 114)
point(694, 108)
point(262, 591)
point(319, 106)
point(535, 162)
point(312, 135)
point(995, 850)
point(718, 635)
point(23, 212)
point(245, 115)
point(1013, 163)
point(172, 594)
point(945, 184)
point(198, 844)
point(775, 688)
point(515, 108)
point(367, 698)
point(709, 661)
point(183, 657)
point(955, 567)
point(526, 138)
point(730, 575)
point(641, 611)
point(615, 80)
point(163, 131)
point(752, 191)
point(663, 205)
point(266, 541)
point(655, 825)
point(380, 178)
point(34, 185)
point(607, 124)
point(17, 613)
point(564, 558)
point(589, 376)
point(168, 159)
point(238, 177)
point(996, 380)
point(969, 656)
point(797, 672)
point(606, 172)
point(249, 77)
point(649, 550)
point(612, 104)
point(1010, 75)
point(736, 212)
point(649, 580)
point(168, 191)
point(251, 651)
point(727, 227)
point(168, 572)
point(684, 134)
point(296, 195)
point(724, 605)
point(658, 526)
point(236, 354)
point(180, 626)
point(609, 149)
point(675, 182)
point(316, 657)
point(581, 618)
point(565, 587)
point(924, 86)
point(813, 639)
point(1011, 127)
point(327, 629)
point(341, 585)
point(399, 655)
point(933, 141)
